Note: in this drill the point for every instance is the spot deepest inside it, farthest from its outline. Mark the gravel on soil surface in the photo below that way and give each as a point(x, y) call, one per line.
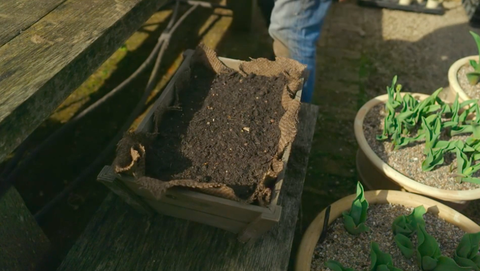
point(354, 251)
point(408, 160)
point(472, 91)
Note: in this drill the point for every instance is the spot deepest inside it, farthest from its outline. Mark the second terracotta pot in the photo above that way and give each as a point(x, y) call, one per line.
point(377, 174)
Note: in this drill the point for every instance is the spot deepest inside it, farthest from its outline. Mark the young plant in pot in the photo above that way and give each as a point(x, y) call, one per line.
point(464, 75)
point(421, 144)
point(389, 230)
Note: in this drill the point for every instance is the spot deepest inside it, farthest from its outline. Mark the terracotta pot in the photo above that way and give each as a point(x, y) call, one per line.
point(453, 79)
point(371, 177)
point(314, 230)
point(388, 174)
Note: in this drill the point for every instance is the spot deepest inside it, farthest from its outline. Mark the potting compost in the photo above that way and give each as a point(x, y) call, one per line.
point(224, 134)
point(230, 136)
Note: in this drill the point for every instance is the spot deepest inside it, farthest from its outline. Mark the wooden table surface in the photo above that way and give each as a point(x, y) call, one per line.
point(119, 238)
point(49, 47)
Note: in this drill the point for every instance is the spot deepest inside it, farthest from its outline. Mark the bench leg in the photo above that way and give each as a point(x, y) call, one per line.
point(243, 11)
point(259, 226)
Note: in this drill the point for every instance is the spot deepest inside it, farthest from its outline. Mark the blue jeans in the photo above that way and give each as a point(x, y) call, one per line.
point(296, 24)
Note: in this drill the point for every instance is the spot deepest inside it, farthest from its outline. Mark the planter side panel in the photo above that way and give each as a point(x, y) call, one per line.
point(196, 201)
point(196, 216)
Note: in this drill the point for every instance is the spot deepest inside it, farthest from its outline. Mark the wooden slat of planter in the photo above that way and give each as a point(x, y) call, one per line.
point(136, 242)
point(18, 15)
point(278, 185)
point(196, 216)
point(40, 67)
point(197, 201)
point(23, 245)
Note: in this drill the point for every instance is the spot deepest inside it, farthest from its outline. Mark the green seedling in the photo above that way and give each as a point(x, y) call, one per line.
point(474, 77)
point(336, 266)
point(427, 251)
point(431, 118)
point(429, 105)
point(432, 133)
point(404, 226)
point(407, 113)
point(405, 245)
point(434, 155)
point(393, 102)
point(429, 256)
point(466, 167)
point(407, 225)
point(432, 160)
point(380, 261)
point(394, 98)
point(466, 254)
point(461, 125)
point(354, 220)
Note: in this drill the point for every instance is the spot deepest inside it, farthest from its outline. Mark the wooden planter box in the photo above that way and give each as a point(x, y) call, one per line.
point(248, 221)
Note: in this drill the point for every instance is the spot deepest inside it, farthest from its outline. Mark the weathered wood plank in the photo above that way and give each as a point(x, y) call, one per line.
point(136, 242)
point(42, 66)
point(23, 245)
point(18, 15)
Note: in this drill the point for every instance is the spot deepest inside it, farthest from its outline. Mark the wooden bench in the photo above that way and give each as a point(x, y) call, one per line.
point(47, 49)
point(120, 238)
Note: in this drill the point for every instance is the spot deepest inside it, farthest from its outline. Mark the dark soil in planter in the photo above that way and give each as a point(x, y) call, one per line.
point(472, 91)
point(354, 251)
point(225, 130)
point(408, 160)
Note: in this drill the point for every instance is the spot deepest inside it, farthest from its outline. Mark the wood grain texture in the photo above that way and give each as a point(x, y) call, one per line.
point(23, 245)
point(136, 242)
point(44, 64)
point(18, 15)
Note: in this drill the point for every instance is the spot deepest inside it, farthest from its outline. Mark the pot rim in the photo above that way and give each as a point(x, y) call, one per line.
point(313, 232)
point(404, 181)
point(452, 76)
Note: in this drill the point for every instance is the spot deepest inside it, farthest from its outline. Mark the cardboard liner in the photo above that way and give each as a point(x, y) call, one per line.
point(131, 151)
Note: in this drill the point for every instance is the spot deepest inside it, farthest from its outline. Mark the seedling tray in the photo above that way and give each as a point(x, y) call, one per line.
point(393, 4)
point(248, 221)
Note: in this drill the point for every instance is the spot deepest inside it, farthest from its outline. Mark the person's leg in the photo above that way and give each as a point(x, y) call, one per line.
point(295, 27)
